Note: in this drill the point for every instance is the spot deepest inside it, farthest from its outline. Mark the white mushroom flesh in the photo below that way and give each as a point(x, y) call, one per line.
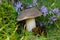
point(30, 23)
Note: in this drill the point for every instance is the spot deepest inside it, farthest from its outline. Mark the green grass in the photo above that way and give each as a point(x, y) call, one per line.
point(11, 30)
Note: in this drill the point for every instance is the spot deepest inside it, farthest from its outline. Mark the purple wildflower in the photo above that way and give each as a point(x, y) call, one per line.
point(43, 9)
point(55, 10)
point(18, 5)
point(53, 18)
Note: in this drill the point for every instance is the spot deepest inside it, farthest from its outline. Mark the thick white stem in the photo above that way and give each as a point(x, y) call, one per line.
point(30, 23)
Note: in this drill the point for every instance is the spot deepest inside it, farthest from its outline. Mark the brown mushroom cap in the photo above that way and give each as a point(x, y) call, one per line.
point(29, 13)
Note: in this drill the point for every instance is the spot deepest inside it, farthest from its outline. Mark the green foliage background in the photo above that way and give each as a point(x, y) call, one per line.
point(7, 21)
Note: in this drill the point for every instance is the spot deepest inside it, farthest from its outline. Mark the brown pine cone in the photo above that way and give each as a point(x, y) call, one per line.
point(39, 31)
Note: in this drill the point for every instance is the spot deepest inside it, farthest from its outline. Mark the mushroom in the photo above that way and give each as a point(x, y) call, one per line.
point(29, 16)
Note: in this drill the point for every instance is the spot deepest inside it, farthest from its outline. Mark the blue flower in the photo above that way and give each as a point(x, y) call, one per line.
point(43, 9)
point(53, 18)
point(55, 10)
point(18, 6)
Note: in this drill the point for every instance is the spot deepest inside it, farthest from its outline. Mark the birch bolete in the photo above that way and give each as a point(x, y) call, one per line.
point(29, 16)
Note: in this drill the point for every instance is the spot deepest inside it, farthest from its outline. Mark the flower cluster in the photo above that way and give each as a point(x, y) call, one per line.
point(19, 5)
point(52, 18)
